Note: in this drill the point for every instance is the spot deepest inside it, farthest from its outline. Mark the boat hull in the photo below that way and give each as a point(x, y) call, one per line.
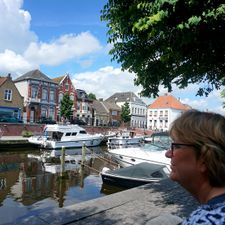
point(72, 144)
point(132, 156)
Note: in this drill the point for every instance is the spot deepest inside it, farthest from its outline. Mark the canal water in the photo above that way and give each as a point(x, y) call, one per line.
point(31, 183)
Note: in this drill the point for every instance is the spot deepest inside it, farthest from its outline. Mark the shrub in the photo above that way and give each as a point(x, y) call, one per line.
point(27, 133)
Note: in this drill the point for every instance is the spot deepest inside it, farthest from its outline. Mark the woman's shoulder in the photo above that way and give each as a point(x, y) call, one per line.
point(207, 214)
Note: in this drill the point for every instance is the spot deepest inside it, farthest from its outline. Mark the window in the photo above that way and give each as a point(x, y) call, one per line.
point(52, 96)
point(114, 113)
point(44, 112)
point(8, 95)
point(45, 94)
point(60, 97)
point(51, 113)
point(34, 92)
point(66, 86)
point(72, 97)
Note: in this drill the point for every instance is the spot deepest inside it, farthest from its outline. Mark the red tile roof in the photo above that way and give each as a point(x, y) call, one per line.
point(2, 80)
point(168, 101)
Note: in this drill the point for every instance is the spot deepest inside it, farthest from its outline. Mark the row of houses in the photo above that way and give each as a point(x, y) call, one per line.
point(34, 95)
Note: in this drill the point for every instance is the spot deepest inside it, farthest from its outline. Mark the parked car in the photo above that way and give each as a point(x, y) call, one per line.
point(45, 120)
point(78, 121)
point(5, 119)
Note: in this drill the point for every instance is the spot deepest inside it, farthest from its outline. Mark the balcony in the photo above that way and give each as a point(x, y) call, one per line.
point(163, 117)
point(33, 100)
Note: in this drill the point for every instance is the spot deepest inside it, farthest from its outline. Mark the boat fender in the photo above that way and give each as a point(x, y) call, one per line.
point(104, 169)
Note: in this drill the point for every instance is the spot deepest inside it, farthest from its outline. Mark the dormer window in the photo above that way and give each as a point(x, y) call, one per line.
point(8, 95)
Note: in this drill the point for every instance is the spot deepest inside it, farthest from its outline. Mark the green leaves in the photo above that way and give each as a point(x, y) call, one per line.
point(168, 41)
point(125, 114)
point(66, 106)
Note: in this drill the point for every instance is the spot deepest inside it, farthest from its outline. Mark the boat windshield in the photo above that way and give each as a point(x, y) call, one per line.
point(57, 136)
point(82, 132)
point(155, 147)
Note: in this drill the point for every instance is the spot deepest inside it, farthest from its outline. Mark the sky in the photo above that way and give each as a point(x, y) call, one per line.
point(67, 36)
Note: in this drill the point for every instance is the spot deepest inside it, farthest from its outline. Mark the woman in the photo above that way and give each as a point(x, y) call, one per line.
point(198, 163)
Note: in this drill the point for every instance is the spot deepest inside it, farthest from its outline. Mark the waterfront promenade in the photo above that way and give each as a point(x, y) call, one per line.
point(163, 203)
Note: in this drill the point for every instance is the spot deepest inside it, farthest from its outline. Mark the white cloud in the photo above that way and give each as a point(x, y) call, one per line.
point(105, 82)
point(10, 62)
point(108, 80)
point(15, 33)
point(21, 51)
point(211, 103)
point(60, 50)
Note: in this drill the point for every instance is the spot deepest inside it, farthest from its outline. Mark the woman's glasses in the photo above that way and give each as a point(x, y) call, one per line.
point(175, 146)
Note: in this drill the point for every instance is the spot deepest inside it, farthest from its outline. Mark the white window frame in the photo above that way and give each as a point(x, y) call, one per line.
point(8, 95)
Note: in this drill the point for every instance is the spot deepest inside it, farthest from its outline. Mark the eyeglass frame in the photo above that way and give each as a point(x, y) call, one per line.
point(179, 144)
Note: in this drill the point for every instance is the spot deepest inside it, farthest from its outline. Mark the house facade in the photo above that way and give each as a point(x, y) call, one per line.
point(65, 85)
point(138, 108)
point(40, 96)
point(11, 101)
point(106, 113)
point(84, 107)
point(163, 111)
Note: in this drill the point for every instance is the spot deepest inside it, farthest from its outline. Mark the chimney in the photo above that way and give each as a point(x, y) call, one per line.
point(9, 76)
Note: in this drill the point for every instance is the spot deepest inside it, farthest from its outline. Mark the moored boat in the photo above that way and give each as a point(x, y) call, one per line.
point(68, 136)
point(125, 138)
point(150, 153)
point(135, 175)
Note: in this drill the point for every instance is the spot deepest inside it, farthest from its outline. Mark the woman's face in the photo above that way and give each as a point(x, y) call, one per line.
point(185, 167)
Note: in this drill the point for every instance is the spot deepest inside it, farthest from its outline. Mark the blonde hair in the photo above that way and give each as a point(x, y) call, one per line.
point(206, 131)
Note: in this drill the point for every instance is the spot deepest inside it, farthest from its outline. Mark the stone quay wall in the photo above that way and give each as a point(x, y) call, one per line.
point(12, 129)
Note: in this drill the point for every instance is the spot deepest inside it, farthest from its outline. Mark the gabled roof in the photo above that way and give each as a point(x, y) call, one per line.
point(35, 75)
point(103, 107)
point(2, 80)
point(168, 101)
point(58, 79)
point(99, 107)
point(112, 106)
point(125, 96)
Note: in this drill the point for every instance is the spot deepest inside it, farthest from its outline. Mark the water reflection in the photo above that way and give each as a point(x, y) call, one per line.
point(27, 183)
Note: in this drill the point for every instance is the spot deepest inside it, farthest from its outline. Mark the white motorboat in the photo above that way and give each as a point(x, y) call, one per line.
point(125, 138)
point(150, 153)
point(68, 136)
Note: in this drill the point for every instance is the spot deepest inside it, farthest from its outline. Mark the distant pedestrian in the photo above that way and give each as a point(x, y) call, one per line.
point(197, 156)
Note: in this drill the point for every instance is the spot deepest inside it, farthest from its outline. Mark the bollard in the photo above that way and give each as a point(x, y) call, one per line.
point(83, 154)
point(62, 172)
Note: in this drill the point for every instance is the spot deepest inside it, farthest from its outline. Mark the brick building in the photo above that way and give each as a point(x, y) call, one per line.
point(40, 95)
point(11, 101)
point(65, 85)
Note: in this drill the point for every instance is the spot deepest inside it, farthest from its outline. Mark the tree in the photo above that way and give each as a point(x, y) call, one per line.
point(168, 41)
point(125, 113)
point(66, 106)
point(92, 96)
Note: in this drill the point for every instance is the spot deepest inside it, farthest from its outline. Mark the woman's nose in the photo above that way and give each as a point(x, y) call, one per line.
point(168, 153)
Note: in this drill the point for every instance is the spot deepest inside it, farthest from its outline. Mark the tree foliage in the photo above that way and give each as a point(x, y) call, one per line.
point(168, 41)
point(92, 96)
point(66, 106)
point(125, 113)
